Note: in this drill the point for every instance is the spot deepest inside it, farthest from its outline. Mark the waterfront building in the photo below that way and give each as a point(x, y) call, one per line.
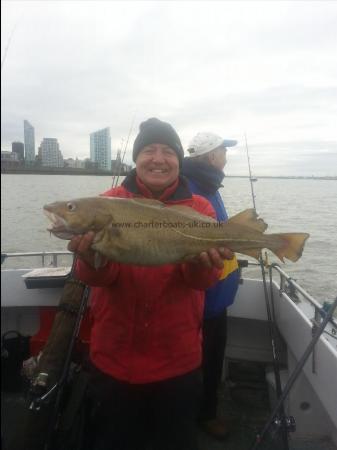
point(29, 138)
point(90, 165)
point(100, 148)
point(117, 167)
point(8, 156)
point(19, 149)
point(9, 160)
point(50, 154)
point(74, 163)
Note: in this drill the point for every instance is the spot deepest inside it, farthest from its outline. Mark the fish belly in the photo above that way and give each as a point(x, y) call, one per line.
point(137, 247)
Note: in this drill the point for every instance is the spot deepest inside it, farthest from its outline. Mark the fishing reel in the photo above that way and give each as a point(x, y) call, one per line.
point(39, 392)
point(288, 422)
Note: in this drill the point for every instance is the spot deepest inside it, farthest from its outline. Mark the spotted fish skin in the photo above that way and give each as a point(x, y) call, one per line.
point(148, 232)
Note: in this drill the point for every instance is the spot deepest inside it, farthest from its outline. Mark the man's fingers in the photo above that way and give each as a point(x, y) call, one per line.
point(81, 245)
point(205, 259)
point(193, 259)
point(85, 243)
point(211, 258)
point(73, 243)
point(215, 258)
point(226, 253)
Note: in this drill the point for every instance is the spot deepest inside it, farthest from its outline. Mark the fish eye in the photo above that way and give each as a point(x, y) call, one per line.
point(71, 206)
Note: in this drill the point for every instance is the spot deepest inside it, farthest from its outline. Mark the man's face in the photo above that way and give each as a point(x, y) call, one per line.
point(218, 158)
point(157, 165)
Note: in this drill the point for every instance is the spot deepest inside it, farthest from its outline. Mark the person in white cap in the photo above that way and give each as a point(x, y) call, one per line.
point(204, 171)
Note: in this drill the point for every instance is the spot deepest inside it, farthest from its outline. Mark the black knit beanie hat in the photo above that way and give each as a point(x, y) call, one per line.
point(154, 131)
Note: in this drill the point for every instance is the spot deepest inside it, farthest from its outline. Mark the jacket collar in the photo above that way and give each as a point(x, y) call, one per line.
point(205, 177)
point(176, 192)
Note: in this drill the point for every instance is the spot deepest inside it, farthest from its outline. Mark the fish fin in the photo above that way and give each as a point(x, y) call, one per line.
point(187, 210)
point(249, 218)
point(293, 245)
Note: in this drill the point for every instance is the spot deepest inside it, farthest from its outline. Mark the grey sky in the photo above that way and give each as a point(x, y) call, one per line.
point(267, 69)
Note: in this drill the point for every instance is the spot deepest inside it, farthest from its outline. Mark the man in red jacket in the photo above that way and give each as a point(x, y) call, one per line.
point(145, 349)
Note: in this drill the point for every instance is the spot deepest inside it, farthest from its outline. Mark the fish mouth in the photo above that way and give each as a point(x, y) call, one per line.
point(59, 226)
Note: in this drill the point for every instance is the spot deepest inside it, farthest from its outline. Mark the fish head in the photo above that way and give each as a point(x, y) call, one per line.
point(73, 217)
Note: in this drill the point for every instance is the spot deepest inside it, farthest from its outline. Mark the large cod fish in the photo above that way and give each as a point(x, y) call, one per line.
point(147, 232)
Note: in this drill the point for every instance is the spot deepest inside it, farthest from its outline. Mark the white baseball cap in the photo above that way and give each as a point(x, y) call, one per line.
point(206, 142)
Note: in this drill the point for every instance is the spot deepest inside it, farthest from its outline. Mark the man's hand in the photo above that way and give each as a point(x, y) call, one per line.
point(213, 257)
point(81, 246)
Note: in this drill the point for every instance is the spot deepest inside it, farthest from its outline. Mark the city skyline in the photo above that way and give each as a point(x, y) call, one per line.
point(115, 153)
point(249, 68)
point(29, 132)
point(32, 130)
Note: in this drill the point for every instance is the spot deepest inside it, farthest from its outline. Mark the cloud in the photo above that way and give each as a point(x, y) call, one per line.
point(232, 68)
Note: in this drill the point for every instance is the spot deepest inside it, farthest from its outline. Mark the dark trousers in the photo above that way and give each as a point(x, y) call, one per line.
point(156, 416)
point(214, 343)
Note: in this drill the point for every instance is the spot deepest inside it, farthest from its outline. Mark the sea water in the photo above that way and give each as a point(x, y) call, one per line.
point(287, 205)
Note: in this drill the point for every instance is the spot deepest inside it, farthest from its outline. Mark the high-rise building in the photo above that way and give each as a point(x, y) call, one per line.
point(50, 154)
point(100, 148)
point(29, 137)
point(19, 149)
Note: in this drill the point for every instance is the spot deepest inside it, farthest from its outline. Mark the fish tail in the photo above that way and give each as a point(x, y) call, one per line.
point(293, 245)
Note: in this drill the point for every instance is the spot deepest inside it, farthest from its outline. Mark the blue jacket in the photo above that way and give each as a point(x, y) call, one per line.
point(205, 180)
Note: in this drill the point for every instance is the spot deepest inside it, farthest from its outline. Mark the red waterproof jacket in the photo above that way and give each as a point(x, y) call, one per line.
point(147, 320)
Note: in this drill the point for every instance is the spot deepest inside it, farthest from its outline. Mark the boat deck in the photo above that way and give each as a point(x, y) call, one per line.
point(244, 397)
point(244, 403)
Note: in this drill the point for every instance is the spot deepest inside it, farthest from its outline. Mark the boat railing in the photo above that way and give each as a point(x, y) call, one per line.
point(291, 288)
point(287, 284)
point(51, 256)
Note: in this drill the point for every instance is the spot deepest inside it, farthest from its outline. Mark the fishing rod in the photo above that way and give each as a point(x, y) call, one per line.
point(40, 416)
point(296, 373)
point(118, 158)
point(8, 44)
point(277, 416)
point(283, 420)
point(250, 175)
point(61, 384)
point(125, 147)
